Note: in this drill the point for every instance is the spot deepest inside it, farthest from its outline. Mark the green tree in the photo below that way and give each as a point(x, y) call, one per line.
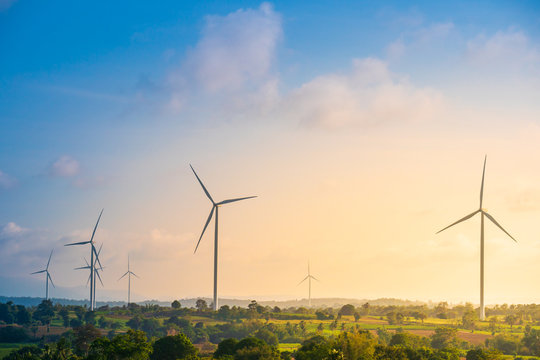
point(444, 337)
point(132, 345)
point(64, 314)
point(44, 312)
point(267, 336)
point(483, 354)
point(201, 305)
point(175, 304)
point(315, 348)
point(226, 347)
point(84, 336)
point(347, 309)
point(359, 345)
point(172, 348)
point(468, 320)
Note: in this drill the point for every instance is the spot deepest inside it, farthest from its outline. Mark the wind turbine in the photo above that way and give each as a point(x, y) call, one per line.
point(483, 212)
point(96, 272)
point(92, 252)
point(215, 207)
point(308, 277)
point(129, 273)
point(47, 277)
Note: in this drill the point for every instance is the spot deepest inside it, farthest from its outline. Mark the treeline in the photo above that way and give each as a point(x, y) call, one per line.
point(87, 343)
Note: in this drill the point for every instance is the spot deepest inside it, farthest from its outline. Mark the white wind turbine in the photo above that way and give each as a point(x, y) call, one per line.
point(47, 277)
point(92, 261)
point(129, 273)
point(308, 278)
point(96, 272)
point(483, 212)
point(215, 207)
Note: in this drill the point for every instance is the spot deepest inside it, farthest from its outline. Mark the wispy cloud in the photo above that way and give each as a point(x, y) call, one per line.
point(7, 181)
point(65, 166)
point(232, 61)
point(511, 47)
point(370, 94)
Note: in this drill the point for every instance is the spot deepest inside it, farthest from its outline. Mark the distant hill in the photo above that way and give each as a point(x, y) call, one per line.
point(324, 302)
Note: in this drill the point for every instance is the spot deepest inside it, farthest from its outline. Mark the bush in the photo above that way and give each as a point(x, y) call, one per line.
point(172, 348)
point(13, 334)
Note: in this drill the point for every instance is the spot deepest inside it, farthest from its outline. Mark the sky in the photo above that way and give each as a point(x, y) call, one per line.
point(361, 126)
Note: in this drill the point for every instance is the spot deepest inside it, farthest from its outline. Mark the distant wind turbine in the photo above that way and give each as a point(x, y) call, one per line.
point(483, 212)
point(96, 272)
point(92, 263)
point(308, 278)
point(129, 273)
point(215, 207)
point(47, 277)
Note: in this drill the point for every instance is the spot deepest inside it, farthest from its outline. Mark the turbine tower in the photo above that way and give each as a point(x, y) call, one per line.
point(129, 273)
point(96, 272)
point(47, 277)
point(215, 207)
point(483, 212)
point(92, 252)
point(308, 278)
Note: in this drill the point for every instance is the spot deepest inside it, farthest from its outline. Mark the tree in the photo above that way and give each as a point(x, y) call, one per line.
point(511, 320)
point(201, 305)
point(267, 336)
point(444, 337)
point(64, 314)
point(23, 316)
point(359, 345)
point(44, 312)
point(315, 348)
point(175, 304)
point(226, 347)
point(356, 316)
point(172, 348)
point(84, 336)
point(483, 354)
point(135, 322)
point(132, 345)
point(346, 310)
point(255, 349)
point(469, 319)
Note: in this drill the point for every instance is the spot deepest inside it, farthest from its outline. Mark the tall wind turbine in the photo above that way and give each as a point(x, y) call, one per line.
point(215, 207)
point(47, 277)
point(92, 252)
point(308, 278)
point(129, 273)
point(96, 272)
point(483, 212)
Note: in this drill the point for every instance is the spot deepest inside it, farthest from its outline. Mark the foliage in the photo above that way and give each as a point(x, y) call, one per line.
point(173, 347)
point(13, 334)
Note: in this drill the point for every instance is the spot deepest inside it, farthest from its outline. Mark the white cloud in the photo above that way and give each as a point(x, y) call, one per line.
point(369, 95)
point(511, 48)
point(231, 65)
point(65, 166)
point(235, 49)
point(6, 181)
point(11, 229)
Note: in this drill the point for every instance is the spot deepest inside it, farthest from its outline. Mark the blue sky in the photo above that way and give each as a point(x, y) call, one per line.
point(104, 105)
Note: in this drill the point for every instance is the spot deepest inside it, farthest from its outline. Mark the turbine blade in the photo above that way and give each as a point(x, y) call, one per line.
point(78, 243)
point(307, 277)
point(48, 262)
point(50, 278)
point(82, 267)
point(482, 186)
point(460, 220)
point(88, 281)
point(205, 226)
point(200, 182)
point(38, 272)
point(99, 277)
point(121, 277)
point(233, 200)
point(314, 278)
point(97, 254)
point(499, 225)
point(95, 227)
point(135, 275)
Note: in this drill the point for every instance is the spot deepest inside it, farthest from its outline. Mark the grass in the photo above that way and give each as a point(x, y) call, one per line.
point(6, 348)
